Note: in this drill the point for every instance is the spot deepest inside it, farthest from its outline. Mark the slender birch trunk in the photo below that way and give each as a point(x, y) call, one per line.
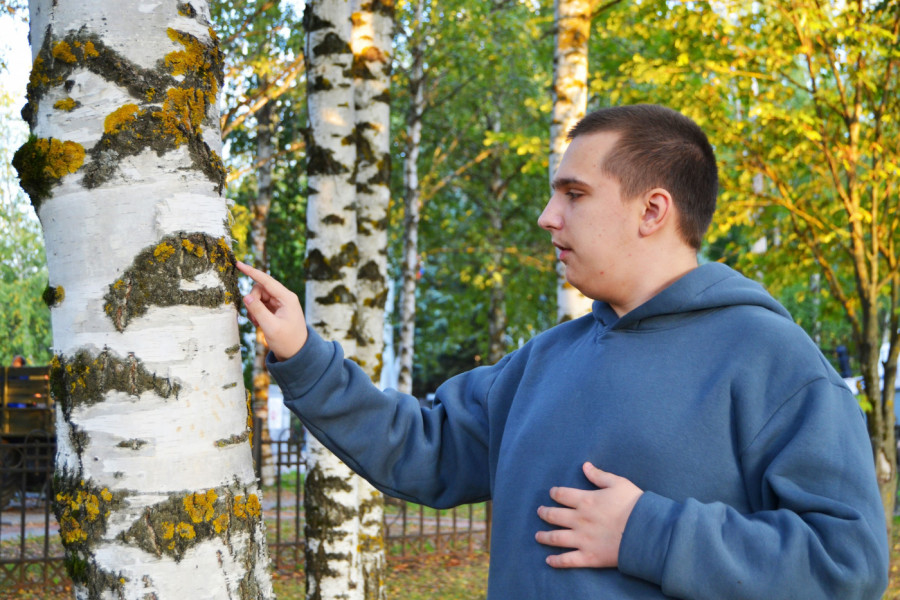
point(372, 48)
point(411, 206)
point(333, 568)
point(570, 79)
point(259, 229)
point(496, 199)
point(155, 493)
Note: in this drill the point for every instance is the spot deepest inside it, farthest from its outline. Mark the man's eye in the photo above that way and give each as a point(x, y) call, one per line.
point(573, 195)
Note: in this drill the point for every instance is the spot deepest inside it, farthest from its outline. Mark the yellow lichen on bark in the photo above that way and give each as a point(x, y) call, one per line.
point(186, 531)
point(193, 248)
point(247, 508)
point(190, 59)
point(90, 51)
point(67, 104)
point(182, 113)
point(79, 508)
point(200, 507)
point(38, 75)
point(220, 523)
point(163, 251)
point(120, 118)
point(63, 51)
point(62, 158)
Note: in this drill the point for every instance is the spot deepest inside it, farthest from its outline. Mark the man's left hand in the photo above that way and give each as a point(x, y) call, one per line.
point(592, 521)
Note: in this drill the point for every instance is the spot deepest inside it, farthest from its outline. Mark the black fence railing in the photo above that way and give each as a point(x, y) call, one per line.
point(32, 557)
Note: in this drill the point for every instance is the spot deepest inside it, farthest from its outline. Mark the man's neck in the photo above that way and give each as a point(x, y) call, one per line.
point(652, 281)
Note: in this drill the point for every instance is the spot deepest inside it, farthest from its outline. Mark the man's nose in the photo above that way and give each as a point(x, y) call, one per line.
point(549, 218)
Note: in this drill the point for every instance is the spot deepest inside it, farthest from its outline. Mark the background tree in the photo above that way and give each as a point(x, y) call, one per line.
point(572, 19)
point(483, 99)
point(334, 533)
point(263, 64)
point(125, 145)
point(24, 317)
point(372, 47)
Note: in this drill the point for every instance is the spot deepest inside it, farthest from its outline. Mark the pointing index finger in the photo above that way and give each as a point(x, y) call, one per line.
point(272, 285)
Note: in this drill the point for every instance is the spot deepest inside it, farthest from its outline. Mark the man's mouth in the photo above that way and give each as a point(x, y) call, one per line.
point(561, 251)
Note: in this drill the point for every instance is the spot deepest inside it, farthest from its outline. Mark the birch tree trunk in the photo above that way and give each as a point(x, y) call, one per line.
point(570, 72)
point(411, 207)
point(372, 48)
point(331, 499)
point(259, 228)
point(155, 493)
point(495, 201)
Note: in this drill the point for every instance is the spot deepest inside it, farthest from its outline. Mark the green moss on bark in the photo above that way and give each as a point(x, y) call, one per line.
point(322, 268)
point(172, 527)
point(42, 162)
point(53, 295)
point(157, 274)
point(321, 161)
point(85, 378)
point(82, 510)
point(339, 294)
point(174, 99)
point(324, 519)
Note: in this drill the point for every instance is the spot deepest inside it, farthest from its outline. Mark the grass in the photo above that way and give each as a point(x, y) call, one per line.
point(428, 577)
point(893, 591)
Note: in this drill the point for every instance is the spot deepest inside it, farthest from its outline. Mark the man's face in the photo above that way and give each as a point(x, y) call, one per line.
point(592, 228)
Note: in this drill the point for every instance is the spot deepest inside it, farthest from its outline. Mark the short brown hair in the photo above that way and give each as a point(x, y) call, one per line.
point(660, 147)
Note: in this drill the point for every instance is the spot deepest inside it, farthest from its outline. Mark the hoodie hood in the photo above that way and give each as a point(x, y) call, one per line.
point(708, 287)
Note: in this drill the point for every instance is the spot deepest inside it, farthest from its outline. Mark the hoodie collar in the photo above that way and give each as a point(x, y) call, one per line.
point(709, 286)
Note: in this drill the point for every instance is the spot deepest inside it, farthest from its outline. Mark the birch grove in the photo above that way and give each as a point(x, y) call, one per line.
point(155, 492)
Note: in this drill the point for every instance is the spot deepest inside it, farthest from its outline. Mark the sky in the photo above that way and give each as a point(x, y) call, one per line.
point(17, 55)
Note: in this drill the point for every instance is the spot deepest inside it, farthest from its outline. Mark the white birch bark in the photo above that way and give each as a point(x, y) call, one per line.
point(333, 568)
point(411, 207)
point(372, 48)
point(155, 490)
point(570, 91)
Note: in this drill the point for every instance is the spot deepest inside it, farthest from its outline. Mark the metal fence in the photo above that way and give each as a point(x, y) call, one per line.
point(31, 555)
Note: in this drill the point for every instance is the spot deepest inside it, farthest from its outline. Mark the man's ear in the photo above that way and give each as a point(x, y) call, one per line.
point(658, 209)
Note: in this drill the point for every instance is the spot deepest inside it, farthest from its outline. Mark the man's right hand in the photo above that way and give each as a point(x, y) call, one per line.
point(276, 310)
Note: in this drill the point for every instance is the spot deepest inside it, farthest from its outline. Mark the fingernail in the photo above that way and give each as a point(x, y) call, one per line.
point(249, 300)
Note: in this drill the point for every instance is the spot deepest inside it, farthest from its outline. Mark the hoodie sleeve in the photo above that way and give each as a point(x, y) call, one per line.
point(818, 530)
point(435, 456)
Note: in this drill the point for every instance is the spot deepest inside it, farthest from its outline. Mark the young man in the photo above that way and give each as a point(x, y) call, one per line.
point(685, 440)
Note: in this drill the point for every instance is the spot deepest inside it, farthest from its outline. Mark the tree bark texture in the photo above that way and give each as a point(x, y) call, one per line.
point(154, 488)
point(371, 44)
point(570, 91)
point(411, 209)
point(333, 560)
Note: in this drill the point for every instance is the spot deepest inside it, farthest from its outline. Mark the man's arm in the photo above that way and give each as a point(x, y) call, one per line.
point(436, 457)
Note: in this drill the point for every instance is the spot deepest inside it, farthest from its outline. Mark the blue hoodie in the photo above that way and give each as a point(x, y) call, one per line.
point(753, 454)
